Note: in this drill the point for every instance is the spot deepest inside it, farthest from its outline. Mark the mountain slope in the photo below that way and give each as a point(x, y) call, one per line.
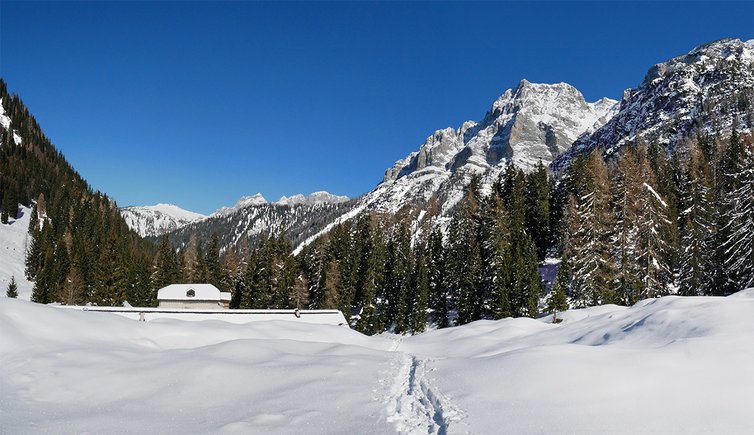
point(246, 226)
point(709, 90)
point(243, 202)
point(78, 242)
point(155, 220)
point(529, 124)
point(14, 240)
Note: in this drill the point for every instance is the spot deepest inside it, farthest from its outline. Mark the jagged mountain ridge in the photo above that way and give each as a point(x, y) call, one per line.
point(245, 227)
point(243, 202)
point(155, 220)
point(710, 90)
point(525, 125)
point(528, 124)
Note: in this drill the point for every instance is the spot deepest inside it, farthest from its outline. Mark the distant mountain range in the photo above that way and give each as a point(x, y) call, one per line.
point(709, 90)
point(156, 220)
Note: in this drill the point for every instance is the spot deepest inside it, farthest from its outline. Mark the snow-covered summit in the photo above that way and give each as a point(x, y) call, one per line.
point(155, 220)
point(245, 201)
point(708, 90)
point(319, 197)
point(527, 124)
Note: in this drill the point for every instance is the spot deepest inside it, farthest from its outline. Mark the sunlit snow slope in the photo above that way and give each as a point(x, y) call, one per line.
point(672, 366)
point(13, 242)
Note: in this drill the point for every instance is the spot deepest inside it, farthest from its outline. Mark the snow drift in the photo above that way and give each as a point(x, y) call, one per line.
point(668, 365)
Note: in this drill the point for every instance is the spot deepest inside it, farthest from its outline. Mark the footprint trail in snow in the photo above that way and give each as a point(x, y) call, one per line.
point(415, 406)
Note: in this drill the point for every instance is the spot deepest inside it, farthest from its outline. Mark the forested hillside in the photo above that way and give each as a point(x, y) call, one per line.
point(80, 248)
point(638, 226)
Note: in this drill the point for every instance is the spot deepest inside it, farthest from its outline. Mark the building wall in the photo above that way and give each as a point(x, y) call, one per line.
point(191, 305)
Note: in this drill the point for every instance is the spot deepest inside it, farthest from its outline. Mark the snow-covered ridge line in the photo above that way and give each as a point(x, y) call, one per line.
point(155, 220)
point(319, 197)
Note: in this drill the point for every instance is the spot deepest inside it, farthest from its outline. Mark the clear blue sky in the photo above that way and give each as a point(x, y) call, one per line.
point(200, 103)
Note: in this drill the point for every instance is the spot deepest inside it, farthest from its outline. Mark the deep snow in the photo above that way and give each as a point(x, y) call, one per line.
point(14, 238)
point(668, 365)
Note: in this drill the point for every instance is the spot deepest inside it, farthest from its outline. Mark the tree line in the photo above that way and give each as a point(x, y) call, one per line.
point(648, 224)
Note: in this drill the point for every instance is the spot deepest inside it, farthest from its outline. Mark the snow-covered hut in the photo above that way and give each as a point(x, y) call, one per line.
point(193, 296)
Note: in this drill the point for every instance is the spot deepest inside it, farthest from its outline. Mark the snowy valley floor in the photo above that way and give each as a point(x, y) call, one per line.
point(669, 365)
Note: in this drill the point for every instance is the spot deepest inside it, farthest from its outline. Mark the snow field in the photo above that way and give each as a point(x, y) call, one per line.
point(668, 365)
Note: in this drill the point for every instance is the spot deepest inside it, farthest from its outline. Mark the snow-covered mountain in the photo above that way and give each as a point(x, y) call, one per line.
point(529, 124)
point(250, 218)
point(320, 197)
point(155, 220)
point(245, 201)
point(708, 90)
point(245, 226)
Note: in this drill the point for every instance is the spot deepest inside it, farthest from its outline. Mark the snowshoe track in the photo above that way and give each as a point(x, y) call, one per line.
point(416, 407)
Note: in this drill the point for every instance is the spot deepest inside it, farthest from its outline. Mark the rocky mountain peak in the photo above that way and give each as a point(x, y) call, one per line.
point(243, 202)
point(319, 197)
point(528, 124)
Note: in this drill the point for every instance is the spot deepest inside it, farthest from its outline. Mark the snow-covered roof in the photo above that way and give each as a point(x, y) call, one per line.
point(189, 292)
point(225, 296)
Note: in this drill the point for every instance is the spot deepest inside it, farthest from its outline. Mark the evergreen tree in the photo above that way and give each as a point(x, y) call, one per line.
point(166, 270)
point(420, 300)
point(397, 280)
point(464, 258)
point(372, 277)
point(696, 225)
point(538, 209)
point(213, 264)
point(654, 248)
point(558, 299)
point(627, 183)
point(438, 295)
point(332, 278)
point(589, 238)
point(738, 247)
point(12, 291)
point(496, 257)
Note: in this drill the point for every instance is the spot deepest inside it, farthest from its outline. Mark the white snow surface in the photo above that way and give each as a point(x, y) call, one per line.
point(245, 201)
point(672, 365)
point(4, 119)
point(14, 238)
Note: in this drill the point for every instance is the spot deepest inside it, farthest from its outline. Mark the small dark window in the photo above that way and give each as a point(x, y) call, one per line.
point(190, 293)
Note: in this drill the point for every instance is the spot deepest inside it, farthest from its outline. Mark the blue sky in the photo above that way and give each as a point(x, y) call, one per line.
point(199, 103)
